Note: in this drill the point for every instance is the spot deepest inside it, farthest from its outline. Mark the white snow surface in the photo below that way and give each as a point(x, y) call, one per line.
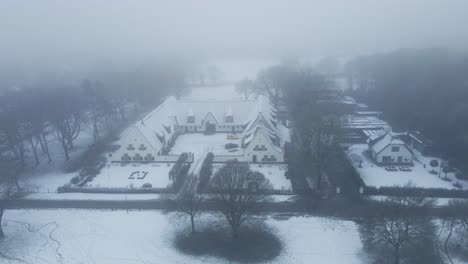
point(199, 143)
point(128, 237)
point(117, 175)
point(47, 177)
point(275, 174)
point(377, 176)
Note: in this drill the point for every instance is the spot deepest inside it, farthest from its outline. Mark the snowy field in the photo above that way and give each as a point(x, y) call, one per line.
point(47, 177)
point(275, 174)
point(120, 237)
point(377, 176)
point(200, 143)
point(133, 175)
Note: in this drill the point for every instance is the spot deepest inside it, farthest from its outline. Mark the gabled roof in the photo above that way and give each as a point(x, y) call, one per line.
point(238, 109)
point(263, 118)
point(379, 142)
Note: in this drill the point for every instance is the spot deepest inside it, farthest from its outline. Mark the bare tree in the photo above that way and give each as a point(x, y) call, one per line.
point(456, 221)
point(8, 186)
point(189, 200)
point(66, 117)
point(399, 227)
point(238, 191)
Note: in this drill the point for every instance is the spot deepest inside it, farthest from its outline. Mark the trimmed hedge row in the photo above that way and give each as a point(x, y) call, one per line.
point(415, 191)
point(179, 171)
point(69, 189)
point(206, 171)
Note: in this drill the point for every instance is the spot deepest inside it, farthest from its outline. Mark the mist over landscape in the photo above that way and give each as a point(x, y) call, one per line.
point(234, 131)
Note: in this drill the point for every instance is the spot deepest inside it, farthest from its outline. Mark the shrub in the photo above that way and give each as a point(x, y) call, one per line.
point(206, 171)
point(231, 146)
point(434, 163)
point(433, 172)
point(147, 185)
point(76, 179)
point(457, 185)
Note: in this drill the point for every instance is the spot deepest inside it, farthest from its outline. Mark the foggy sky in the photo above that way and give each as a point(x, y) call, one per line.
point(35, 32)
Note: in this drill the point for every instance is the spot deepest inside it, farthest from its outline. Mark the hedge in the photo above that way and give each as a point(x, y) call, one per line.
point(416, 191)
point(206, 171)
point(70, 189)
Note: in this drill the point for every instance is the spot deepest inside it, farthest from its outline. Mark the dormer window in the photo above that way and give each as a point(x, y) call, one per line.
point(149, 157)
point(137, 157)
point(142, 147)
point(229, 119)
point(130, 147)
point(126, 157)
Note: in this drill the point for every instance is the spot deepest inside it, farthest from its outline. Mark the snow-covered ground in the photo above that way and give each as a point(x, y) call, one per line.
point(118, 237)
point(200, 143)
point(47, 177)
point(275, 174)
point(377, 176)
point(126, 175)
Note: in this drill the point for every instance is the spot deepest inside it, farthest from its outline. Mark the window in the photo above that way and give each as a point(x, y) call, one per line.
point(142, 147)
point(395, 149)
point(126, 157)
point(229, 119)
point(149, 157)
point(137, 157)
point(387, 159)
point(130, 147)
point(191, 119)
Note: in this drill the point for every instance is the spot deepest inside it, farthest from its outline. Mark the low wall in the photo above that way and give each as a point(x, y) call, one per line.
point(69, 189)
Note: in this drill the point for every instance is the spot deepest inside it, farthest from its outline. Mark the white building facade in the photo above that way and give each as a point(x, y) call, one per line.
point(150, 139)
point(388, 148)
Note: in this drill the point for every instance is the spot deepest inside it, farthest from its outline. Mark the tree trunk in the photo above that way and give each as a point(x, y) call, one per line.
point(193, 223)
point(38, 138)
point(34, 148)
point(2, 235)
point(235, 231)
point(46, 147)
point(319, 177)
point(65, 149)
point(397, 255)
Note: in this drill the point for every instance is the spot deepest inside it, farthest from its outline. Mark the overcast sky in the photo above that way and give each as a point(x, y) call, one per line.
point(83, 31)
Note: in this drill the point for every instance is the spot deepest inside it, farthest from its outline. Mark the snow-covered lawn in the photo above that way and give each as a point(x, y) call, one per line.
point(47, 177)
point(117, 237)
point(377, 176)
point(116, 175)
point(200, 143)
point(275, 174)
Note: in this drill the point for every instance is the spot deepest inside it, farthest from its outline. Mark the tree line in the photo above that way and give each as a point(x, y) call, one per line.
point(32, 116)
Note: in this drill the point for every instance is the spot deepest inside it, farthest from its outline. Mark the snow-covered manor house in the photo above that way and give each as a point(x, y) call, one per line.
point(253, 121)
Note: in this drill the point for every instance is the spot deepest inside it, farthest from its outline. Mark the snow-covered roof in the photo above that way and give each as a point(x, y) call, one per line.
point(379, 142)
point(262, 118)
point(238, 109)
point(363, 122)
point(160, 125)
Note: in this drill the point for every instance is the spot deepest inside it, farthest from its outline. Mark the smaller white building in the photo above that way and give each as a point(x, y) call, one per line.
point(388, 148)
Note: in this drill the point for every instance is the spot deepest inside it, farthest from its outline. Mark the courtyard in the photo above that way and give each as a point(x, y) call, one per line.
point(134, 175)
point(199, 143)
